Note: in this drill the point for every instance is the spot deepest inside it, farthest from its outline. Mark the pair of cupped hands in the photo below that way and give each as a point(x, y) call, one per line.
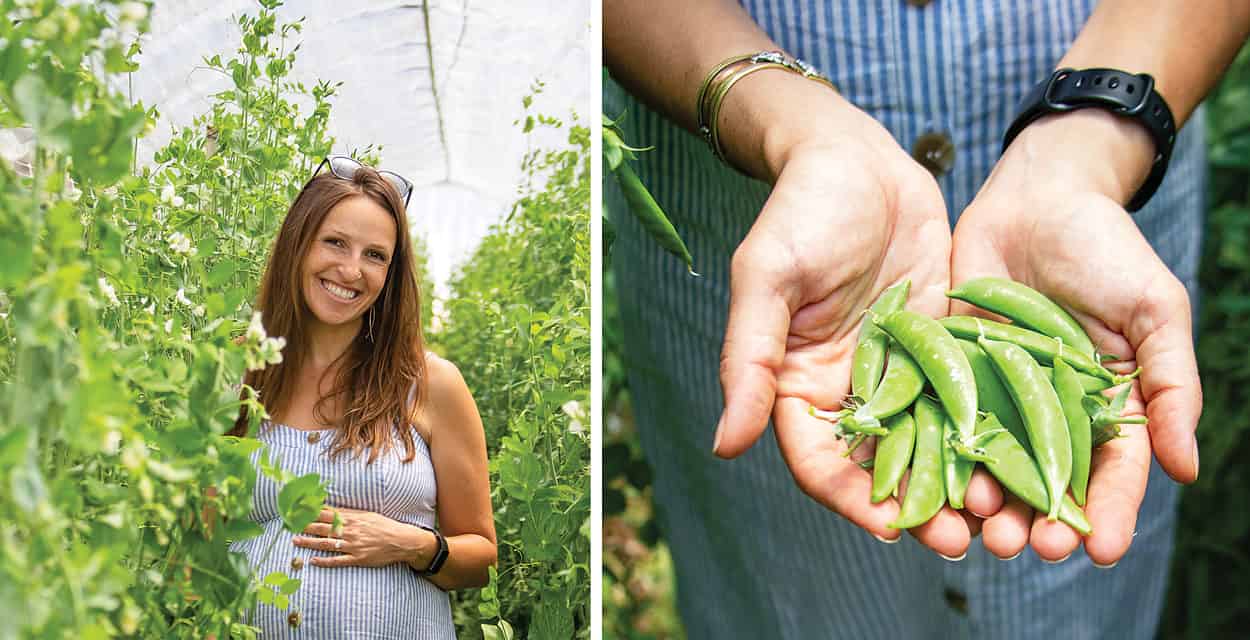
point(851, 213)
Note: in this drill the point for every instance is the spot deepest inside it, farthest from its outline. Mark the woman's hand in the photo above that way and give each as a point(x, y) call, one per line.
point(849, 215)
point(366, 539)
point(1050, 216)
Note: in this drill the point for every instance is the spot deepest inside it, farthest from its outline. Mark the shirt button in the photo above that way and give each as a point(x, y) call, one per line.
point(293, 619)
point(297, 563)
point(314, 437)
point(919, 3)
point(956, 600)
point(935, 152)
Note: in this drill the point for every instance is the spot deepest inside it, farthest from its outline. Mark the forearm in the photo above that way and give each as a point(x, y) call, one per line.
point(1185, 46)
point(469, 557)
point(661, 51)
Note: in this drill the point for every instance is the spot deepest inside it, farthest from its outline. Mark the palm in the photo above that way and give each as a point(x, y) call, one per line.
point(1085, 253)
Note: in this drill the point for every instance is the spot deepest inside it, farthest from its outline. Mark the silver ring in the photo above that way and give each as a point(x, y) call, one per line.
point(338, 544)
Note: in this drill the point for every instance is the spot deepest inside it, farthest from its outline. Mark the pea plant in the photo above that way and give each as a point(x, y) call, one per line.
point(125, 326)
point(518, 326)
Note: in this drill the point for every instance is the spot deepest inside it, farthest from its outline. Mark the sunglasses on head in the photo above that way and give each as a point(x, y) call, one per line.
point(345, 167)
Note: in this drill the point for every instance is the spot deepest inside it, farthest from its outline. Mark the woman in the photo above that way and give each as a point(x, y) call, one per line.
point(392, 430)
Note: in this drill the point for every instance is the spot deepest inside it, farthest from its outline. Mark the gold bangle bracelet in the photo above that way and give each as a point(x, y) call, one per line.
point(717, 83)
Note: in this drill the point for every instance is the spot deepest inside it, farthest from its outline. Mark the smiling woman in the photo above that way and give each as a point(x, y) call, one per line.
point(391, 430)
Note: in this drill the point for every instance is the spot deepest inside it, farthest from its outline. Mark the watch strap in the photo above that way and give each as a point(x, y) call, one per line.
point(440, 555)
point(1123, 94)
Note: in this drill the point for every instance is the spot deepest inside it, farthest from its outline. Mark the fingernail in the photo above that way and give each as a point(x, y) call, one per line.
point(720, 427)
point(1195, 456)
point(887, 540)
point(1057, 561)
point(977, 514)
point(1013, 557)
point(955, 559)
point(1106, 566)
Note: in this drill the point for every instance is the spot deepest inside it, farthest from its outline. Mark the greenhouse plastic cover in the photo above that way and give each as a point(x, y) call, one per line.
point(487, 55)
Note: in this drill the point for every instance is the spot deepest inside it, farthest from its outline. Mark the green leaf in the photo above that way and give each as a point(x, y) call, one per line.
point(300, 502)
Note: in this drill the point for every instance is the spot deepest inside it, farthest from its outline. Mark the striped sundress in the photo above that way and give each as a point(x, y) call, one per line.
point(341, 603)
point(754, 556)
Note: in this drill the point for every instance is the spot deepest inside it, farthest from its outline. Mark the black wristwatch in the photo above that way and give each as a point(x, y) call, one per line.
point(440, 556)
point(1122, 93)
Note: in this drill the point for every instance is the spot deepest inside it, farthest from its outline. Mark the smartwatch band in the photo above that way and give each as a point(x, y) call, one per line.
point(1124, 94)
point(440, 556)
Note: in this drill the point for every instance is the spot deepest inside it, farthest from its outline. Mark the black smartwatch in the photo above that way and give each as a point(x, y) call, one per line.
point(1124, 94)
point(440, 556)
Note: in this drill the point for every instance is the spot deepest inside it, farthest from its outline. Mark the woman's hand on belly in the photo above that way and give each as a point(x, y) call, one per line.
point(365, 539)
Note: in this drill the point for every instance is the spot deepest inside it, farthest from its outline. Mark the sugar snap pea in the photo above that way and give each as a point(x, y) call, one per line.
point(1041, 347)
point(868, 362)
point(1089, 384)
point(893, 455)
point(1026, 307)
point(1039, 406)
point(1070, 393)
point(925, 489)
point(956, 472)
point(1018, 472)
point(945, 365)
point(992, 396)
point(902, 382)
point(650, 215)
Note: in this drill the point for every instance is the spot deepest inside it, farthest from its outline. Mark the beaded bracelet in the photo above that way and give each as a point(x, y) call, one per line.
point(717, 83)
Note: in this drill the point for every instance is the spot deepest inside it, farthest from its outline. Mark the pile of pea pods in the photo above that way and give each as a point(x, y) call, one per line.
point(1025, 399)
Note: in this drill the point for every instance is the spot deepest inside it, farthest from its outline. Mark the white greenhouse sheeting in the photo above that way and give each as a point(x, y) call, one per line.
point(487, 54)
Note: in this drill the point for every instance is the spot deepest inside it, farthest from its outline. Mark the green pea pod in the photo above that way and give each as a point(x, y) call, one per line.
point(1089, 384)
point(992, 396)
point(1070, 393)
point(1026, 307)
point(946, 367)
point(925, 490)
point(956, 471)
point(1018, 472)
point(651, 215)
point(869, 359)
point(1039, 406)
point(1041, 347)
point(893, 455)
point(901, 384)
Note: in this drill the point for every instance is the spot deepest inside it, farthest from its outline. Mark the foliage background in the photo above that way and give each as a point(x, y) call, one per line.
point(1210, 572)
point(123, 288)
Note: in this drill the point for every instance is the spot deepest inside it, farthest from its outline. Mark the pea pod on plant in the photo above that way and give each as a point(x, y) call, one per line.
point(1039, 406)
point(1070, 393)
point(894, 452)
point(925, 489)
point(868, 362)
point(1026, 307)
point(1043, 348)
point(1018, 472)
point(943, 362)
point(992, 396)
point(641, 203)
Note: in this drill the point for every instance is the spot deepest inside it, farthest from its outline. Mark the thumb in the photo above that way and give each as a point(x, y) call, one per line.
point(755, 345)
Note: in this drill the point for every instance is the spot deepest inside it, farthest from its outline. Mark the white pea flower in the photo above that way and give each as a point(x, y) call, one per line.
point(72, 192)
point(227, 171)
point(132, 13)
point(256, 330)
point(112, 442)
point(574, 410)
point(181, 244)
point(198, 311)
point(168, 194)
point(178, 201)
point(108, 292)
point(151, 309)
point(169, 325)
point(182, 299)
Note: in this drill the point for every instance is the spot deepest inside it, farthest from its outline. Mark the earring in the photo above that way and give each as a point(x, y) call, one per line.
point(370, 324)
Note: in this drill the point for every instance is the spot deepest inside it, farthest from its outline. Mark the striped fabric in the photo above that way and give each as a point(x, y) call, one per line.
point(755, 558)
point(341, 603)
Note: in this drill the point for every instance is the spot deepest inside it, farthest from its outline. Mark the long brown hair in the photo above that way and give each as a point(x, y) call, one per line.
point(377, 372)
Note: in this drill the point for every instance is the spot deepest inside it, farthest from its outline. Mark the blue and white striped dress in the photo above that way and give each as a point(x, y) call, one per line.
point(342, 603)
point(754, 556)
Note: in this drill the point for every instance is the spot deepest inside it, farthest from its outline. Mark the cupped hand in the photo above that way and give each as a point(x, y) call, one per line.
point(1057, 227)
point(363, 539)
point(850, 214)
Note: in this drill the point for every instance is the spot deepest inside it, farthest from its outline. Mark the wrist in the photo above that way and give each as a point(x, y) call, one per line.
point(419, 547)
point(1086, 149)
